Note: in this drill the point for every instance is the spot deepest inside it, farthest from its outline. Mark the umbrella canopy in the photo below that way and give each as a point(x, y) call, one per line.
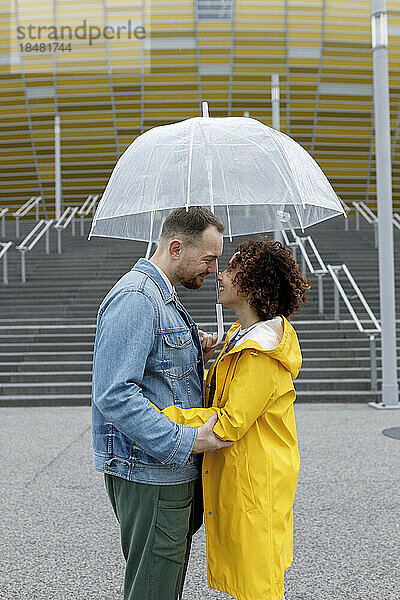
point(254, 178)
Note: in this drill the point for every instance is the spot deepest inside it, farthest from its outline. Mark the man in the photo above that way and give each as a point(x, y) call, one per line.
point(148, 349)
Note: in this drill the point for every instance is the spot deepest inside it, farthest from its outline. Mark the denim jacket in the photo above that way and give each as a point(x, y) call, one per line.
point(147, 349)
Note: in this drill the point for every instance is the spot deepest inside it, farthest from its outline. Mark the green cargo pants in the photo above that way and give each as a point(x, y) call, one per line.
point(157, 523)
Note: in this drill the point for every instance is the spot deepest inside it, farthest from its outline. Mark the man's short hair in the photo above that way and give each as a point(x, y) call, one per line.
point(189, 225)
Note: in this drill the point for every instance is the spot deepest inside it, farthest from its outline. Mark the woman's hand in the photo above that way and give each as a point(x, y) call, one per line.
point(208, 341)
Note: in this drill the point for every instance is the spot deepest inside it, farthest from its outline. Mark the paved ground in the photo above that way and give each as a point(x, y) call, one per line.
point(61, 540)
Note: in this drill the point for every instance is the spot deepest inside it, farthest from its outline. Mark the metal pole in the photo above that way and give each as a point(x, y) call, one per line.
point(59, 240)
point(3, 225)
point(390, 390)
point(5, 271)
point(23, 270)
point(82, 226)
point(346, 224)
point(376, 236)
point(17, 226)
point(37, 211)
point(357, 220)
point(276, 124)
point(372, 357)
point(73, 226)
point(47, 241)
point(57, 159)
point(336, 303)
point(320, 293)
point(336, 297)
point(303, 265)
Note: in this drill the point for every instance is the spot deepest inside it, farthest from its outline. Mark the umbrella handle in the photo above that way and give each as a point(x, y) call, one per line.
point(220, 322)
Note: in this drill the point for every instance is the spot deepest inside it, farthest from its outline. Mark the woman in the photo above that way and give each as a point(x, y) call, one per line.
point(249, 487)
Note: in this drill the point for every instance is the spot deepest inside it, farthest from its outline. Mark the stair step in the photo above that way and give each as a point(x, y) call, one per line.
point(341, 396)
point(59, 387)
point(45, 400)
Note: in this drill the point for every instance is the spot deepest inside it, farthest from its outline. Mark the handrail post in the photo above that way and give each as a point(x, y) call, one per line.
point(346, 224)
point(37, 211)
point(23, 266)
point(303, 265)
point(320, 293)
point(336, 296)
point(17, 226)
point(357, 220)
point(5, 271)
point(73, 226)
point(336, 303)
point(47, 241)
point(372, 356)
point(59, 240)
point(82, 226)
point(376, 233)
point(3, 225)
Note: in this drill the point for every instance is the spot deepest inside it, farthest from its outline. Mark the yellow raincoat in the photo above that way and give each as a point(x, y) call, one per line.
point(249, 488)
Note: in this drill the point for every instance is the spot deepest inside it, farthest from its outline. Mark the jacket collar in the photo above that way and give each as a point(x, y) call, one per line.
point(146, 267)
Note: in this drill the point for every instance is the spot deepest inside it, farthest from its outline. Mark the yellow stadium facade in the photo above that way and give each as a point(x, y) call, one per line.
point(112, 70)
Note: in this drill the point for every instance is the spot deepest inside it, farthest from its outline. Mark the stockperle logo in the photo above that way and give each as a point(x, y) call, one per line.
point(74, 36)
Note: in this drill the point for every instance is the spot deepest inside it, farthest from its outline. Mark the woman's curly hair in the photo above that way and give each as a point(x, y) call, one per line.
point(269, 277)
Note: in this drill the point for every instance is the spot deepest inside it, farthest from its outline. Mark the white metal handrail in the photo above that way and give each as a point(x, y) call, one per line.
point(66, 218)
point(364, 210)
point(372, 219)
point(301, 243)
point(333, 270)
point(3, 212)
point(306, 261)
point(33, 202)
point(82, 210)
point(291, 243)
point(371, 332)
point(346, 210)
point(369, 212)
point(40, 229)
point(3, 255)
point(360, 211)
point(88, 206)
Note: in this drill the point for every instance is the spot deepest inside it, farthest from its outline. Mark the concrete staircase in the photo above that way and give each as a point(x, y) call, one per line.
point(47, 325)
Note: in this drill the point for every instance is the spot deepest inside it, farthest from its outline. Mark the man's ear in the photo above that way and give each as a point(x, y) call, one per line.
point(175, 249)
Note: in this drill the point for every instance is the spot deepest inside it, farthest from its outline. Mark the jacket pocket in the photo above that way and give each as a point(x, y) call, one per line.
point(178, 356)
point(245, 486)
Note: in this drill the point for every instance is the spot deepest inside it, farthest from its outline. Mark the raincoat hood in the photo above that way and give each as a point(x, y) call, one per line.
point(275, 337)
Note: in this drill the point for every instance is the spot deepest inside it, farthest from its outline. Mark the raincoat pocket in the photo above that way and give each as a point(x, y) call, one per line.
point(171, 529)
point(245, 486)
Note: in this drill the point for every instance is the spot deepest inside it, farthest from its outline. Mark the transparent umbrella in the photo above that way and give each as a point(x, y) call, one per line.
point(254, 179)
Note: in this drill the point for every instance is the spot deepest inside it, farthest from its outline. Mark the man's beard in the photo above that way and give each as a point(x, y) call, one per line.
point(190, 282)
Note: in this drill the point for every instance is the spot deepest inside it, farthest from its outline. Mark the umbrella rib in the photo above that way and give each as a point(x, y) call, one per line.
point(148, 162)
point(282, 151)
point(233, 161)
point(226, 197)
point(209, 171)
point(149, 245)
point(298, 216)
point(190, 168)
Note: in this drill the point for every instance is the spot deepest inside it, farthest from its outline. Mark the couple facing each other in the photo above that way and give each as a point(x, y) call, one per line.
point(171, 442)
